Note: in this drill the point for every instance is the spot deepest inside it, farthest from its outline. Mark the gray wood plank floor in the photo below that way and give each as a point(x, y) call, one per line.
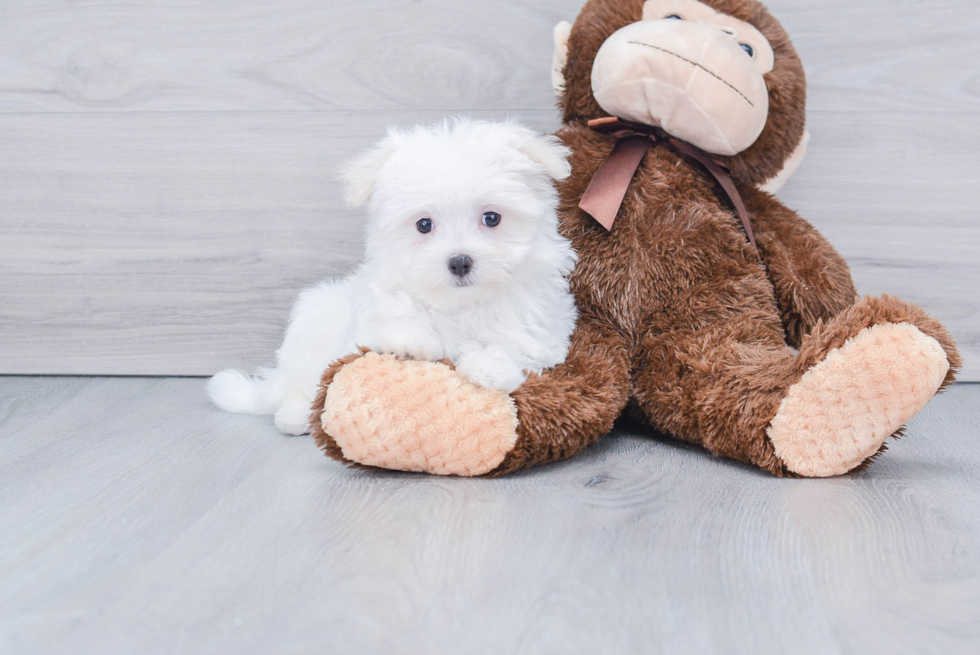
point(138, 519)
point(167, 179)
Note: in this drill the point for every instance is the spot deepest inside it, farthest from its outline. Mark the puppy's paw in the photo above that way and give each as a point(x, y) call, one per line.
point(490, 370)
point(406, 340)
point(293, 417)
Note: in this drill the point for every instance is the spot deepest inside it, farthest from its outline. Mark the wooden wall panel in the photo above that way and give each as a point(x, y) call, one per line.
point(446, 55)
point(167, 170)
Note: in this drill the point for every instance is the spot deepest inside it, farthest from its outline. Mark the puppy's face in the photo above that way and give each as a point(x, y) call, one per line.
point(456, 208)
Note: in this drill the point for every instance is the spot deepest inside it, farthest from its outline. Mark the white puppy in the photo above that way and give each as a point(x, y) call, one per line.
point(463, 260)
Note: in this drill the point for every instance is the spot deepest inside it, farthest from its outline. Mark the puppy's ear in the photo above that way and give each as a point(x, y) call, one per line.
point(361, 173)
point(547, 150)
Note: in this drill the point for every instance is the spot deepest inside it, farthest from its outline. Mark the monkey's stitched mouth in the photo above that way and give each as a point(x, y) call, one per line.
point(696, 64)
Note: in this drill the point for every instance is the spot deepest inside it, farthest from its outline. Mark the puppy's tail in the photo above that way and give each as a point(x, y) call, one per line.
point(234, 391)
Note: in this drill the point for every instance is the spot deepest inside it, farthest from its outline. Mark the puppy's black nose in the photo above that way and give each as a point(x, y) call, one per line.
point(460, 265)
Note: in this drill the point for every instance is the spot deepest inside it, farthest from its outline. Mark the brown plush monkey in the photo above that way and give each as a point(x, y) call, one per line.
point(761, 355)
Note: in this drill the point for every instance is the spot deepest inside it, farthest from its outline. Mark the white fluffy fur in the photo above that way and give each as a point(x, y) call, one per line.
point(513, 313)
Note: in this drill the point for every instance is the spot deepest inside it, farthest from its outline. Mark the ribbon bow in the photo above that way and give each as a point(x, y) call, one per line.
point(604, 195)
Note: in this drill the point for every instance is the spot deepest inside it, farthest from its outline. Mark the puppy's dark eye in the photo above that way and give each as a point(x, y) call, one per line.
point(747, 48)
point(491, 219)
point(673, 17)
point(424, 225)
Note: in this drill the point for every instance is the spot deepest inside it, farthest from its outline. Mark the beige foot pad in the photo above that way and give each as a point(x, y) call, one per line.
point(417, 416)
point(843, 409)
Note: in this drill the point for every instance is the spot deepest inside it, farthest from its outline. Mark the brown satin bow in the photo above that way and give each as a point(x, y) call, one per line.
point(604, 195)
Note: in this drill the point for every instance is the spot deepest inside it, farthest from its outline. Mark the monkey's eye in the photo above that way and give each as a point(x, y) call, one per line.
point(747, 48)
point(491, 219)
point(424, 225)
point(673, 16)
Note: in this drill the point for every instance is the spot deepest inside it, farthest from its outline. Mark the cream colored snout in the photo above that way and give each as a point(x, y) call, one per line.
point(691, 79)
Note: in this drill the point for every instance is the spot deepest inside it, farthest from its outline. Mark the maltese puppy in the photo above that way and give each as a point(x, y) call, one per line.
point(463, 260)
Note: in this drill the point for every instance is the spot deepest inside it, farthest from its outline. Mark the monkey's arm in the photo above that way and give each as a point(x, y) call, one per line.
point(812, 280)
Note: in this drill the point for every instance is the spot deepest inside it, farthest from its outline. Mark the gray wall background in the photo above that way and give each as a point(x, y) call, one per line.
point(167, 168)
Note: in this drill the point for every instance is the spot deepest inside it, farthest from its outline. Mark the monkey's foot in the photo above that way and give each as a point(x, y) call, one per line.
point(378, 410)
point(845, 406)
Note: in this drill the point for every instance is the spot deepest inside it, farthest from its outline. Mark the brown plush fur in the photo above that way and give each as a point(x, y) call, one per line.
point(677, 316)
point(676, 291)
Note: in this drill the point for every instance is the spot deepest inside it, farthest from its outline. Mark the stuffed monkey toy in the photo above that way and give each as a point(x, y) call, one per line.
point(706, 307)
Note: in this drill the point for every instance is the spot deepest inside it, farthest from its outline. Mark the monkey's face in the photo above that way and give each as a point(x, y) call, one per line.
point(720, 74)
point(690, 70)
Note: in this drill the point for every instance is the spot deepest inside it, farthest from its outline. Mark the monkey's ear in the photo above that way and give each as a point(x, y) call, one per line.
point(361, 173)
point(546, 150)
point(776, 182)
point(560, 33)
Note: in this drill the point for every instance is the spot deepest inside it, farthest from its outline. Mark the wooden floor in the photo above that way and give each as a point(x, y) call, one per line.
point(135, 518)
